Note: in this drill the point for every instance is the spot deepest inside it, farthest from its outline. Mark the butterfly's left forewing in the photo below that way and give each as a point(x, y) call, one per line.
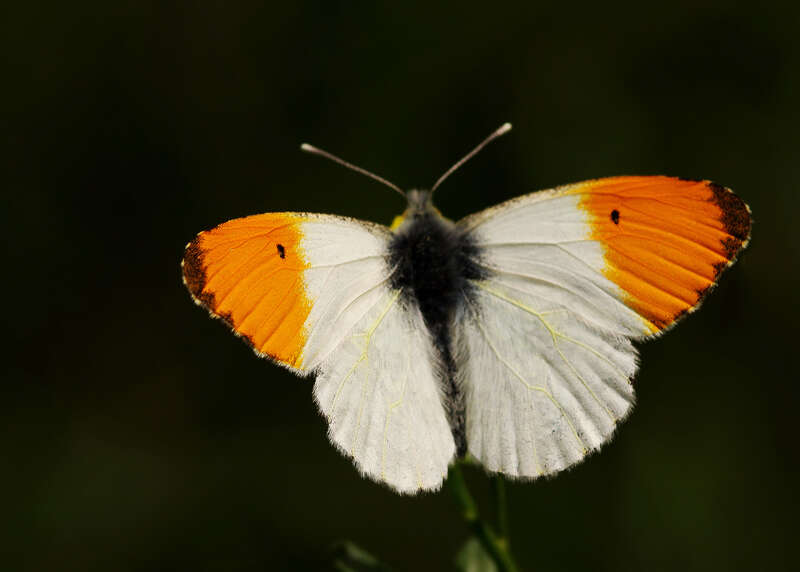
point(572, 276)
point(312, 292)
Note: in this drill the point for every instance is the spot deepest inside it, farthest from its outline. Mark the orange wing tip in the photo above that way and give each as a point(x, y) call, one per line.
point(195, 274)
point(667, 240)
point(194, 277)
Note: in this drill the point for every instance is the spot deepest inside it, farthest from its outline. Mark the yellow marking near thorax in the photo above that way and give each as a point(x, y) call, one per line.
point(398, 220)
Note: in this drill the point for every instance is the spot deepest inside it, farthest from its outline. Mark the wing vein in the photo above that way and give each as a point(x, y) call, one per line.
point(607, 296)
point(531, 387)
point(554, 334)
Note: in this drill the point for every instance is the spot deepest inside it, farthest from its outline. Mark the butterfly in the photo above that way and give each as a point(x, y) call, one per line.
point(506, 337)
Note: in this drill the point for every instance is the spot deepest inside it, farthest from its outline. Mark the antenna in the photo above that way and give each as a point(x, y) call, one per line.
point(314, 151)
point(504, 128)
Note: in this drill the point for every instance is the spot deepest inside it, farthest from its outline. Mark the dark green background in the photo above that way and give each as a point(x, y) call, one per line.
point(137, 434)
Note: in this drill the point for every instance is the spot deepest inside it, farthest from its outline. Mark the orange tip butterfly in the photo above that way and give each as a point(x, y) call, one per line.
point(506, 336)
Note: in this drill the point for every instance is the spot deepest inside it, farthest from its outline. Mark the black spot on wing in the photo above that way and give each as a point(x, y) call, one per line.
point(615, 216)
point(281, 251)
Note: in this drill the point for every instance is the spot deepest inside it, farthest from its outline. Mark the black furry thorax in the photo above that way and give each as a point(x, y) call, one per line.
point(432, 262)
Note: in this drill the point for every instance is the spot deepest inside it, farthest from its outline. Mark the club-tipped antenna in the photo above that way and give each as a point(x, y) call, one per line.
point(504, 128)
point(315, 151)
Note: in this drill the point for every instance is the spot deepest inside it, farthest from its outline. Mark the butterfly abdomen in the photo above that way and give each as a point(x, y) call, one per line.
point(432, 263)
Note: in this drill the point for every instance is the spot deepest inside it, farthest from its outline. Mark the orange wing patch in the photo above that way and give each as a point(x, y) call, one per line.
point(249, 272)
point(667, 239)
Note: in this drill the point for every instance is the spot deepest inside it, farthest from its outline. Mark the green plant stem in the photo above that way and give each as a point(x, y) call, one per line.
point(493, 545)
point(501, 510)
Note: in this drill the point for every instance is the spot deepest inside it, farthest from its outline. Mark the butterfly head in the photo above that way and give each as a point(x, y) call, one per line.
point(420, 204)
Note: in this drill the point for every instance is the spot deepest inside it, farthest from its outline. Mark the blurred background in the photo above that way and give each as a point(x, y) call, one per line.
point(138, 434)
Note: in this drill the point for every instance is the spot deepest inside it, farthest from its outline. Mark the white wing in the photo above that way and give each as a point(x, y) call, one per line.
point(380, 396)
point(311, 292)
point(544, 345)
point(543, 387)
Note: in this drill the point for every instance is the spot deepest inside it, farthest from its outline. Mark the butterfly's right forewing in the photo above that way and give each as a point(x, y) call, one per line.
point(573, 275)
